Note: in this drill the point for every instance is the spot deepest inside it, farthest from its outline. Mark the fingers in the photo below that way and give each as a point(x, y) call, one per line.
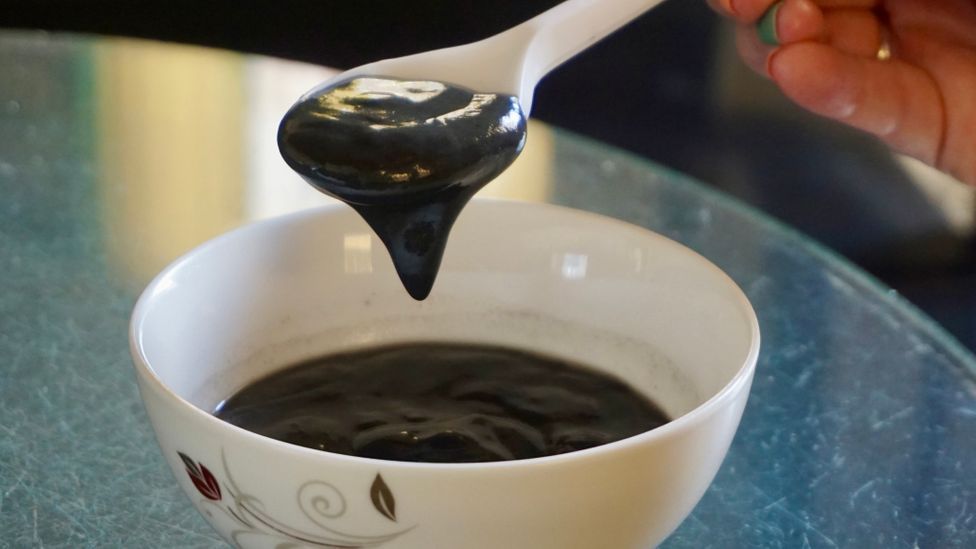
point(952, 20)
point(920, 102)
point(863, 4)
point(798, 20)
point(795, 21)
point(854, 31)
point(893, 100)
point(745, 11)
point(953, 68)
point(750, 11)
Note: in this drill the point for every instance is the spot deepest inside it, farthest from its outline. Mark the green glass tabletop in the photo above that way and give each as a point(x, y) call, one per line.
point(116, 156)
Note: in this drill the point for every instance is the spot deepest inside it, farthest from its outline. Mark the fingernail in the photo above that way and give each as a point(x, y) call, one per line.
point(767, 25)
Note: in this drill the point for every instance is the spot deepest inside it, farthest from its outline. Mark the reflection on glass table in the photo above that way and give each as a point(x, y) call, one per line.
point(116, 156)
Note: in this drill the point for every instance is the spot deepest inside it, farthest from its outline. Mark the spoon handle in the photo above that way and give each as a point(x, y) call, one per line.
point(513, 61)
point(554, 36)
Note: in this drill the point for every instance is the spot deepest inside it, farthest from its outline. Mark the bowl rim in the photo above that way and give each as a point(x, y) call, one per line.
point(740, 381)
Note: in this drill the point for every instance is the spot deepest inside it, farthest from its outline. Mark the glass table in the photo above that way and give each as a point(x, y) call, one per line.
point(116, 156)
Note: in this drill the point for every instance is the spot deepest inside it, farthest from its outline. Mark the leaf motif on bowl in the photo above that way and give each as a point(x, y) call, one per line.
point(319, 500)
point(382, 497)
point(202, 478)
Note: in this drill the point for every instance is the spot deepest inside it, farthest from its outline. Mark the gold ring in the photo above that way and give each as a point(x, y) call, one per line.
point(884, 48)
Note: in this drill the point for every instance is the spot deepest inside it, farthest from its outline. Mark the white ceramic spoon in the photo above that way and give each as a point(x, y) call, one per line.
point(513, 62)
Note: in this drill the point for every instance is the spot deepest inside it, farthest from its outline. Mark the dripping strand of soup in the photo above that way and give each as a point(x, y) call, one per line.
point(407, 155)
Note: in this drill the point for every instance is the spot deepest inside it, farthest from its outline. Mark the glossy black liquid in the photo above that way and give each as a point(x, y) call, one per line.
point(407, 155)
point(437, 402)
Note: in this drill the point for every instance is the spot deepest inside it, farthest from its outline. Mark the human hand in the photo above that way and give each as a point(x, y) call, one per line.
point(920, 100)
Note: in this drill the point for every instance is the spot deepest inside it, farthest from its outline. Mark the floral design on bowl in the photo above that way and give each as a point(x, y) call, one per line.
point(320, 501)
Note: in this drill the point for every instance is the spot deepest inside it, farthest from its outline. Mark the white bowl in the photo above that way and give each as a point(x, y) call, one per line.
point(550, 279)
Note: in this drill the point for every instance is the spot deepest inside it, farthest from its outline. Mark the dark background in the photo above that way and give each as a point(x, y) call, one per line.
point(666, 87)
